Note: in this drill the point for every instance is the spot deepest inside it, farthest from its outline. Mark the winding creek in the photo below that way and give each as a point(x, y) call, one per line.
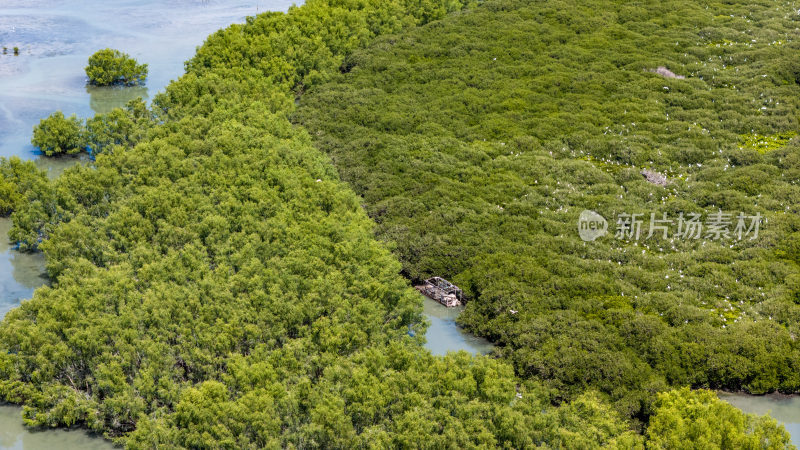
point(445, 335)
point(55, 38)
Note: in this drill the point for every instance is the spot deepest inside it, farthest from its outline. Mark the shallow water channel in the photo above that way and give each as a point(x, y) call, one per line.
point(444, 335)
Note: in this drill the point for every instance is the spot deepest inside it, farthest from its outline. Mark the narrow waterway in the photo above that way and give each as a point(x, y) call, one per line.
point(55, 39)
point(444, 335)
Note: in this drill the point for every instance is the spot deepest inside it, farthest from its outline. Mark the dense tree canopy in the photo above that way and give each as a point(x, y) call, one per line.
point(120, 127)
point(477, 141)
point(17, 179)
point(108, 67)
point(216, 285)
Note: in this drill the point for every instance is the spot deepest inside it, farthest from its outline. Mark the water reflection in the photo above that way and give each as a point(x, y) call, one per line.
point(21, 30)
point(20, 273)
point(54, 167)
point(14, 435)
point(784, 408)
point(445, 335)
point(103, 99)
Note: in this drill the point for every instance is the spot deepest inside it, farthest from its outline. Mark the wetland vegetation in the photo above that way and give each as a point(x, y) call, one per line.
point(232, 271)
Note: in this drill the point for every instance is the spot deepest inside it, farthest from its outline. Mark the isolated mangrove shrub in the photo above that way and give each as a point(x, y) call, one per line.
point(58, 135)
point(108, 67)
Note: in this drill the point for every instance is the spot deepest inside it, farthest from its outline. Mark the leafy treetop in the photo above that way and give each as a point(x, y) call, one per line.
point(108, 66)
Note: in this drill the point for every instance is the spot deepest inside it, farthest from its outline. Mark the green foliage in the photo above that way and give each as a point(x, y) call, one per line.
point(685, 419)
point(476, 141)
point(109, 66)
point(17, 178)
point(48, 205)
point(57, 135)
point(383, 397)
point(124, 127)
point(120, 127)
point(216, 285)
point(764, 144)
point(309, 44)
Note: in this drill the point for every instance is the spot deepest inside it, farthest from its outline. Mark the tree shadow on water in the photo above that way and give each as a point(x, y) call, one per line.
point(103, 99)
